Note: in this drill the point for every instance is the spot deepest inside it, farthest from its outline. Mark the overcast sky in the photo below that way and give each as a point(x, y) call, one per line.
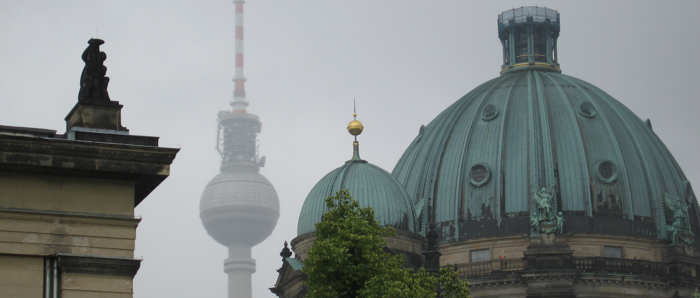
point(171, 63)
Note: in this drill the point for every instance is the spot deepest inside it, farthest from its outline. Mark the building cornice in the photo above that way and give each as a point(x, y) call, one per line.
point(68, 218)
point(147, 166)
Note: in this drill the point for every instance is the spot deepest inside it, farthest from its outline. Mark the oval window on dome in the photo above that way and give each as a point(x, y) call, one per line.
point(587, 110)
point(606, 171)
point(489, 113)
point(479, 175)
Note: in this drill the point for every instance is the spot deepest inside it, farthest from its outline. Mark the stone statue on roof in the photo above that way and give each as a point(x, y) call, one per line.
point(93, 82)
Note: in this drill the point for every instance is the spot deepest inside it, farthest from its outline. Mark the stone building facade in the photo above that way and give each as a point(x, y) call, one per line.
point(67, 225)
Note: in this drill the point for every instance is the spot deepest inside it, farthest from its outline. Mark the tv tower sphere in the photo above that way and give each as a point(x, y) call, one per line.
point(239, 207)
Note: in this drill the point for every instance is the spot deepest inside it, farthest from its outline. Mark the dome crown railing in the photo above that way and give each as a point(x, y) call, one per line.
point(528, 14)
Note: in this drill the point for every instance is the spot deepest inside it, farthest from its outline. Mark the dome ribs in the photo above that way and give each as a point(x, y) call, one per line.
point(636, 130)
point(676, 175)
point(633, 166)
point(466, 155)
point(319, 189)
point(517, 133)
point(570, 145)
point(657, 155)
point(573, 156)
point(444, 125)
point(511, 163)
point(407, 205)
point(547, 149)
point(536, 155)
point(368, 184)
point(418, 168)
point(498, 168)
point(623, 181)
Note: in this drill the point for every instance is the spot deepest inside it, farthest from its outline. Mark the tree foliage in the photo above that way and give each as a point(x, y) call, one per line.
point(347, 259)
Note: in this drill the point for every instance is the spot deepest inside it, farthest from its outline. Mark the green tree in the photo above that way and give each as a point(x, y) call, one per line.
point(347, 259)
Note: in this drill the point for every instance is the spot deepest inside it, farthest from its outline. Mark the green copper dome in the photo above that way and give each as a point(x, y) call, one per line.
point(474, 169)
point(534, 135)
point(367, 183)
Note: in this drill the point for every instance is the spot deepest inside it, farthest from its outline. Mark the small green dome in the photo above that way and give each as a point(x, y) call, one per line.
point(371, 186)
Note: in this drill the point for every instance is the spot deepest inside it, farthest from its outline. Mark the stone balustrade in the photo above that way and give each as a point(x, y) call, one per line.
point(598, 265)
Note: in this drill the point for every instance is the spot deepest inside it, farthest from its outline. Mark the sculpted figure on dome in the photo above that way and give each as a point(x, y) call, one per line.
point(679, 228)
point(559, 228)
point(544, 202)
point(534, 223)
point(544, 218)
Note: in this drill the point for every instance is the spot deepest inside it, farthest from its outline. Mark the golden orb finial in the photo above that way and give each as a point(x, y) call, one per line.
point(355, 127)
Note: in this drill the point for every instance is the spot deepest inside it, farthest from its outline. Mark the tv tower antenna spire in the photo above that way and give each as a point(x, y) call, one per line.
point(239, 103)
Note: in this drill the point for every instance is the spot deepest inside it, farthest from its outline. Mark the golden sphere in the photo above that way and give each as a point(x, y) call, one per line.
point(355, 127)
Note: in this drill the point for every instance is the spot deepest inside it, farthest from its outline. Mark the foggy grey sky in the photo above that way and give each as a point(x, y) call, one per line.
point(171, 63)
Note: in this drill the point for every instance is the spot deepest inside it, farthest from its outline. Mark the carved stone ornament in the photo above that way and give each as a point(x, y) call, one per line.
point(93, 82)
point(544, 219)
point(286, 252)
point(678, 226)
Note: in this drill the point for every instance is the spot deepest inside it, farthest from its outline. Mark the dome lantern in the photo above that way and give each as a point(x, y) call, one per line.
point(529, 38)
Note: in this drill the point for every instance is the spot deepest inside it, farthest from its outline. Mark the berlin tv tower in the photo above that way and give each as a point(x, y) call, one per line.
point(239, 207)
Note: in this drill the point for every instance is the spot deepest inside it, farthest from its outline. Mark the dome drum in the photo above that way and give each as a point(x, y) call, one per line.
point(406, 243)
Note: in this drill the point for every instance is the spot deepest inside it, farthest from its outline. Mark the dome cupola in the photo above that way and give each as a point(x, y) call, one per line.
point(369, 184)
